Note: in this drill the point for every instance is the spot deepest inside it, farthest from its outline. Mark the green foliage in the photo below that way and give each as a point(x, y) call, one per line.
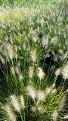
point(25, 2)
point(33, 46)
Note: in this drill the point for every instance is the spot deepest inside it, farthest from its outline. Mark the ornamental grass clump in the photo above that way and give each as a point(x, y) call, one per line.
point(33, 64)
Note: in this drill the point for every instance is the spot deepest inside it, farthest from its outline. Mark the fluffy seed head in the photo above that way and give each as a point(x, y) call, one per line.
point(12, 70)
point(54, 115)
point(40, 73)
point(17, 70)
point(31, 91)
point(54, 40)
point(10, 114)
point(40, 108)
point(35, 38)
point(15, 103)
point(62, 102)
point(22, 101)
point(10, 51)
point(42, 21)
point(48, 90)
point(24, 46)
point(65, 117)
point(65, 71)
point(58, 71)
point(31, 71)
point(45, 41)
point(2, 59)
point(20, 76)
point(33, 109)
point(41, 95)
point(53, 85)
point(65, 55)
point(53, 91)
point(33, 55)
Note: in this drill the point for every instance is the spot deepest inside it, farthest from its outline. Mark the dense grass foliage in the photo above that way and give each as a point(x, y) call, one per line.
point(27, 2)
point(34, 63)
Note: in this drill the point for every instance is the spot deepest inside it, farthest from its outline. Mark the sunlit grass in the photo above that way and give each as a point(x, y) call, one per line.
point(33, 64)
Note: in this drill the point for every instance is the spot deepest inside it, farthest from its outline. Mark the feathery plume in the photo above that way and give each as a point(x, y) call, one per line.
point(15, 103)
point(45, 41)
point(42, 22)
point(65, 117)
point(65, 71)
point(62, 102)
point(48, 90)
point(57, 72)
point(54, 40)
point(65, 55)
point(31, 71)
point(40, 73)
point(53, 85)
point(20, 76)
point(40, 108)
point(33, 55)
point(33, 109)
point(41, 95)
point(17, 70)
point(10, 114)
point(22, 101)
point(53, 91)
point(31, 91)
point(35, 38)
point(54, 115)
point(10, 51)
point(12, 70)
point(2, 59)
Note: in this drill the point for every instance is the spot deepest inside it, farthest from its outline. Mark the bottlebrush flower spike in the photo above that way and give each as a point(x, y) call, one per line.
point(41, 95)
point(33, 55)
point(10, 51)
point(48, 90)
point(31, 91)
point(22, 101)
point(15, 103)
point(9, 113)
point(31, 71)
point(65, 71)
point(62, 102)
point(54, 115)
point(57, 72)
point(40, 73)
